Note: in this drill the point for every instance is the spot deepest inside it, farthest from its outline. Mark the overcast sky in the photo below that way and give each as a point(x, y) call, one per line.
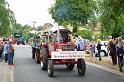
point(27, 11)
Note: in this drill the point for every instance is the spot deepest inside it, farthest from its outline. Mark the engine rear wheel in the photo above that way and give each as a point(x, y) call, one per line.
point(81, 67)
point(44, 59)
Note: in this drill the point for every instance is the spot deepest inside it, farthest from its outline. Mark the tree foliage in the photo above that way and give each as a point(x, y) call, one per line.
point(110, 14)
point(7, 19)
point(24, 29)
point(112, 17)
point(39, 28)
point(71, 12)
point(86, 34)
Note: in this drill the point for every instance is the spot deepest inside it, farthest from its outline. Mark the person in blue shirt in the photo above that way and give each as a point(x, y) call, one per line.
point(5, 51)
point(34, 48)
point(80, 44)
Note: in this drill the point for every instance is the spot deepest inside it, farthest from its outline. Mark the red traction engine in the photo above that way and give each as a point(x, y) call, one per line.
point(61, 52)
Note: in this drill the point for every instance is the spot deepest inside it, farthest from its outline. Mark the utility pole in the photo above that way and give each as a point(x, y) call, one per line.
point(34, 25)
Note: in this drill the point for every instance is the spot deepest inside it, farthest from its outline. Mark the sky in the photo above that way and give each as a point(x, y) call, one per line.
point(28, 11)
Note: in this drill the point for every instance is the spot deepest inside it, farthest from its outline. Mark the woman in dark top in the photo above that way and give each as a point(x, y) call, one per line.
point(112, 51)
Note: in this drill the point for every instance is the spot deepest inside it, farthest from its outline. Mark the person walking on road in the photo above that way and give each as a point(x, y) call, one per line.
point(34, 48)
point(5, 51)
point(99, 49)
point(10, 53)
point(120, 52)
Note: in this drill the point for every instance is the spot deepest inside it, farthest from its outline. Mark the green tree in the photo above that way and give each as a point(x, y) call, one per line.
point(110, 14)
point(24, 29)
point(72, 12)
point(47, 25)
point(18, 28)
point(39, 28)
point(112, 17)
point(85, 33)
point(7, 19)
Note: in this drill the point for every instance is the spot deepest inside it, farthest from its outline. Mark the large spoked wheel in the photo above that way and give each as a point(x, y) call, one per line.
point(81, 67)
point(44, 58)
point(70, 66)
point(50, 68)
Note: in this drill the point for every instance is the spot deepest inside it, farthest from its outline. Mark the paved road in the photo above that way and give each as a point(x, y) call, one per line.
point(26, 70)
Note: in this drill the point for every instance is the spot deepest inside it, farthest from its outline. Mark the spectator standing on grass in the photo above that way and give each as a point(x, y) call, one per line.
point(92, 49)
point(112, 49)
point(120, 53)
point(99, 49)
point(116, 41)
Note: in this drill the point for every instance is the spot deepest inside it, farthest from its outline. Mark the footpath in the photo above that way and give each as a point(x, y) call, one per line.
point(105, 64)
point(6, 72)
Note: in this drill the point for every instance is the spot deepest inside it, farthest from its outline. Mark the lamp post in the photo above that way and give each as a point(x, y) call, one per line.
point(33, 28)
point(34, 25)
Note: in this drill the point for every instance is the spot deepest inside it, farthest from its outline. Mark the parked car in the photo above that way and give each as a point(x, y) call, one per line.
point(104, 51)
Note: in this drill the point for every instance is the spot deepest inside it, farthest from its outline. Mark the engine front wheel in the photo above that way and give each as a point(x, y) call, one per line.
point(50, 68)
point(81, 67)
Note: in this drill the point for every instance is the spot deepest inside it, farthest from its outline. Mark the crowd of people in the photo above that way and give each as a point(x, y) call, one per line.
point(6, 51)
point(115, 49)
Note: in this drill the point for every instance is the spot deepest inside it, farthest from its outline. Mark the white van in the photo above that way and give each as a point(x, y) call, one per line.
point(104, 51)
